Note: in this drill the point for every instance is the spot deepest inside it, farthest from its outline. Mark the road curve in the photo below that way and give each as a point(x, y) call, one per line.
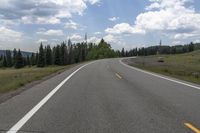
point(105, 97)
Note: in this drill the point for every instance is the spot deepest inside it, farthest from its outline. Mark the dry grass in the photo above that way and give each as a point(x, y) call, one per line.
point(182, 66)
point(11, 79)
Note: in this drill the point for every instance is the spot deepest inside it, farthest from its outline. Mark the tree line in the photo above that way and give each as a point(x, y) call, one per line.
point(67, 53)
point(159, 49)
point(63, 54)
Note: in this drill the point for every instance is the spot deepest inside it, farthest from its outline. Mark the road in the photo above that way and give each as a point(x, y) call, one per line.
point(104, 96)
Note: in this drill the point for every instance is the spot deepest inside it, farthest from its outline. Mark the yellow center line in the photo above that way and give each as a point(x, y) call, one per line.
point(196, 130)
point(118, 75)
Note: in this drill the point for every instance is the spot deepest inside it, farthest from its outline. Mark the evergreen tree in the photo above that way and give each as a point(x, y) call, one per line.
point(8, 58)
point(1, 58)
point(36, 58)
point(57, 60)
point(41, 57)
point(24, 61)
point(53, 55)
point(48, 55)
point(63, 54)
point(4, 63)
point(19, 60)
point(33, 59)
point(66, 58)
point(28, 61)
point(123, 52)
point(71, 53)
point(14, 56)
point(191, 47)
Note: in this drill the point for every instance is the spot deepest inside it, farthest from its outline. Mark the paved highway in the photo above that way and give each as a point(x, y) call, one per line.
point(104, 96)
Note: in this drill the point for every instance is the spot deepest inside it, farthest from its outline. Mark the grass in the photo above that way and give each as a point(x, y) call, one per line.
point(182, 66)
point(11, 79)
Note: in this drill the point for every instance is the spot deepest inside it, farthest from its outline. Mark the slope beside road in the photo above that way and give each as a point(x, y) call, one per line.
point(104, 96)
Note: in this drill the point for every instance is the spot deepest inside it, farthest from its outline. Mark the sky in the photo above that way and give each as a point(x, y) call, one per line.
point(123, 23)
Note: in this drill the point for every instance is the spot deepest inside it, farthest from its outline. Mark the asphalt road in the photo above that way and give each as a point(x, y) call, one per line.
point(104, 97)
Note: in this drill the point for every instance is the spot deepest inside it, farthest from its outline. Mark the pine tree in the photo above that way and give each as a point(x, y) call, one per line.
point(33, 59)
point(123, 52)
point(41, 57)
point(36, 58)
point(19, 60)
point(48, 55)
point(63, 54)
point(72, 54)
point(191, 47)
point(1, 60)
point(66, 57)
point(24, 61)
point(1, 57)
point(4, 63)
point(14, 56)
point(53, 55)
point(9, 58)
point(28, 61)
point(57, 59)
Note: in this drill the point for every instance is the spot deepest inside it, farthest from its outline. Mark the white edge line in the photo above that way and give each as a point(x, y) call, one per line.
point(23, 120)
point(159, 76)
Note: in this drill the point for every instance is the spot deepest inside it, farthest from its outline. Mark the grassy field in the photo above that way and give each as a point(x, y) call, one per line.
point(182, 66)
point(11, 79)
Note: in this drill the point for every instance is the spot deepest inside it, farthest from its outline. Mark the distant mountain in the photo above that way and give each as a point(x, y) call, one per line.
point(24, 53)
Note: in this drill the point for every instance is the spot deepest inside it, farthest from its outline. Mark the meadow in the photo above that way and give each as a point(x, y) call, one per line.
point(182, 66)
point(12, 79)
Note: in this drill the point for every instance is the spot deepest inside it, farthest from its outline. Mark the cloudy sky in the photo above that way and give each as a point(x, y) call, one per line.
point(123, 23)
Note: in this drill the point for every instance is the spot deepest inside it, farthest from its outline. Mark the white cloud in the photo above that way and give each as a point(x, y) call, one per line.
point(94, 39)
point(177, 42)
point(8, 35)
point(39, 20)
point(92, 1)
point(170, 16)
point(153, 6)
point(8, 23)
point(110, 38)
point(51, 32)
point(197, 41)
point(75, 38)
point(113, 18)
point(42, 11)
point(71, 25)
point(42, 40)
point(116, 41)
point(124, 28)
point(185, 35)
point(97, 33)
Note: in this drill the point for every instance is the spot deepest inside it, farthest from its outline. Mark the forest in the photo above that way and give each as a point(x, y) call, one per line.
point(63, 54)
point(68, 53)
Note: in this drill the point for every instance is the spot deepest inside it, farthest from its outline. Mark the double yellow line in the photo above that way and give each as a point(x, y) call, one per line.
point(193, 128)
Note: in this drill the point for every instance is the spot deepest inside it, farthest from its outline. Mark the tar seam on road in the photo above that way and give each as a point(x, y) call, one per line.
point(118, 75)
point(192, 127)
point(159, 76)
point(28, 115)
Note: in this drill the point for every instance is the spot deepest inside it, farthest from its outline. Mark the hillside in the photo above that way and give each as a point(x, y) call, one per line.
point(24, 53)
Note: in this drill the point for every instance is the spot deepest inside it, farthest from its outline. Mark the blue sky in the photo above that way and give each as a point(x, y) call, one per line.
point(122, 23)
